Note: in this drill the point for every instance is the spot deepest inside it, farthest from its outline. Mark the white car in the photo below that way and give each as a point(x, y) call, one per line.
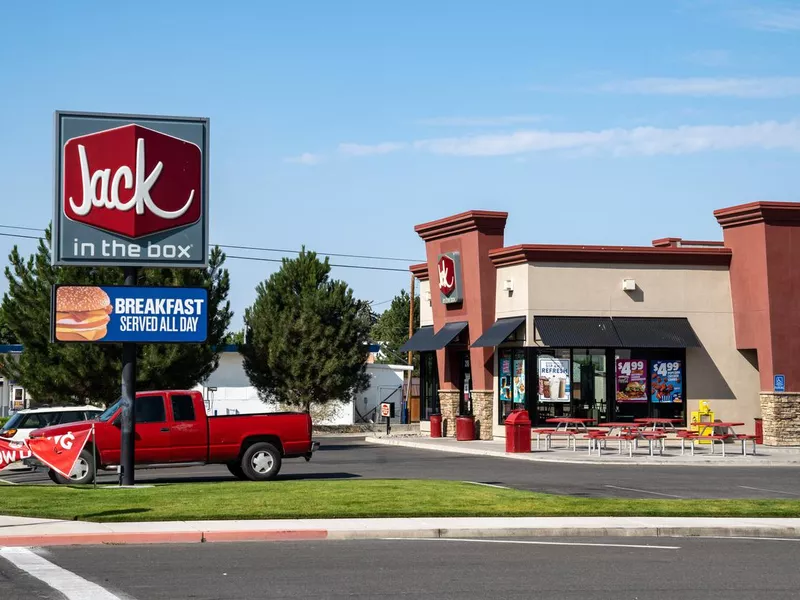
point(20, 425)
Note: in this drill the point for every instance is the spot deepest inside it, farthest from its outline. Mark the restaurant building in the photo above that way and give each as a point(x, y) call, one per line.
point(612, 332)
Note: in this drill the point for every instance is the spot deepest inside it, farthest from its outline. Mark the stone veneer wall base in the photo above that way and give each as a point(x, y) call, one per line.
point(780, 412)
point(448, 406)
point(483, 410)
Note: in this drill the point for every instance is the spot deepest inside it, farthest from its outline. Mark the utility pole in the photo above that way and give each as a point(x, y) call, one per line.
point(128, 417)
point(410, 362)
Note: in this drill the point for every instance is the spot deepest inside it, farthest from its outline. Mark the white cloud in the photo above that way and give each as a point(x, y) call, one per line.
point(500, 121)
point(645, 141)
point(307, 158)
point(771, 19)
point(754, 87)
point(369, 150)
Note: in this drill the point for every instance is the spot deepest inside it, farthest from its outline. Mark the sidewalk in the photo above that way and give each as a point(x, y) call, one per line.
point(16, 531)
point(767, 456)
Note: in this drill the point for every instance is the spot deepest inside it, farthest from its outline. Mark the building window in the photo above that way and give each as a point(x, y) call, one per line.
point(429, 385)
point(589, 385)
point(513, 392)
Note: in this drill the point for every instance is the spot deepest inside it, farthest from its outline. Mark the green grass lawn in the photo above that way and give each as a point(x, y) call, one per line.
point(340, 499)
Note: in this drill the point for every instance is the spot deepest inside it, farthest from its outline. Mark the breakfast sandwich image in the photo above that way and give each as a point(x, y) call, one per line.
point(82, 314)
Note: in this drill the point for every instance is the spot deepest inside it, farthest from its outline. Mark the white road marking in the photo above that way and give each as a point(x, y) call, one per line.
point(7, 482)
point(747, 487)
point(491, 485)
point(616, 487)
point(70, 585)
point(534, 543)
point(745, 537)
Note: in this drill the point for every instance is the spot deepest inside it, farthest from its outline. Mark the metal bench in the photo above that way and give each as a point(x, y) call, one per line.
point(712, 438)
point(744, 437)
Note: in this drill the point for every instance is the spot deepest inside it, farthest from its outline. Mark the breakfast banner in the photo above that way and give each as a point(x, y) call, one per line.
point(631, 380)
point(104, 314)
point(59, 452)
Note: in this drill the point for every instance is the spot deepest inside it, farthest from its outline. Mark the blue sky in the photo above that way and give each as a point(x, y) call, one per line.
point(341, 125)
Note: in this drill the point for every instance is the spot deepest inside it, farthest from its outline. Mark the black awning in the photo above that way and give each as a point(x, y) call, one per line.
point(497, 333)
point(421, 341)
point(577, 332)
point(448, 333)
point(655, 332)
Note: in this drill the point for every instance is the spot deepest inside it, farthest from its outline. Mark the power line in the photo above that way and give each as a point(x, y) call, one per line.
point(255, 258)
point(19, 235)
point(278, 260)
point(256, 248)
point(318, 252)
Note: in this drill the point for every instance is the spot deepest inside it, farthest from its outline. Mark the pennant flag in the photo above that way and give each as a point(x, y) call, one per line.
point(60, 452)
point(11, 452)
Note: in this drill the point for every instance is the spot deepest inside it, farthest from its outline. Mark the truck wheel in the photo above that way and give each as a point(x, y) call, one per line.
point(261, 462)
point(82, 472)
point(236, 470)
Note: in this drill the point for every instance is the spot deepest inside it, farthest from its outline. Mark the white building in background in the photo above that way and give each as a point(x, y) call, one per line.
point(228, 391)
point(13, 397)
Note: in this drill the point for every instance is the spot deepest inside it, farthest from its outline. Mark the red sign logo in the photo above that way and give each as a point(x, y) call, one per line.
point(447, 275)
point(132, 181)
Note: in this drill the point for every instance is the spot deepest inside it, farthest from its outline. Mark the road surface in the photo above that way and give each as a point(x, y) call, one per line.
point(440, 569)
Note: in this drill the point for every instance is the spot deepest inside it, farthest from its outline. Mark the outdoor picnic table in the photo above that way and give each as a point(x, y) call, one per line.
point(564, 423)
point(701, 427)
point(656, 421)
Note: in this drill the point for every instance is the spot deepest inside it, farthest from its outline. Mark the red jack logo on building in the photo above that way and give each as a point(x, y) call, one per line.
point(132, 181)
point(447, 275)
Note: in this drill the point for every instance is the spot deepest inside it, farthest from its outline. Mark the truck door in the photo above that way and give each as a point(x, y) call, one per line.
point(152, 430)
point(188, 433)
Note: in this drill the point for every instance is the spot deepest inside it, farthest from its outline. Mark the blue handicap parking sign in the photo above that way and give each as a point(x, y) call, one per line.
point(780, 383)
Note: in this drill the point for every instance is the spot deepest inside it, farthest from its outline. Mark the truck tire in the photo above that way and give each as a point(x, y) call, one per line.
point(236, 470)
point(82, 472)
point(261, 462)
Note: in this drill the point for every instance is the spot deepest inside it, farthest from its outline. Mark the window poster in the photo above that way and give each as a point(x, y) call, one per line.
point(505, 377)
point(554, 379)
point(519, 377)
point(631, 380)
point(666, 381)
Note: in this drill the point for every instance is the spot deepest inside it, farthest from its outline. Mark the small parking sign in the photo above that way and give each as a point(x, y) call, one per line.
point(780, 383)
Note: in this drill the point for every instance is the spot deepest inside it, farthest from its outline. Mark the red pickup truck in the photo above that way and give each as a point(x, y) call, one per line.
point(172, 428)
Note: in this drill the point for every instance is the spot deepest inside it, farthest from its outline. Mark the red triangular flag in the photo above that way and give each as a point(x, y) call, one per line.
point(11, 452)
point(60, 452)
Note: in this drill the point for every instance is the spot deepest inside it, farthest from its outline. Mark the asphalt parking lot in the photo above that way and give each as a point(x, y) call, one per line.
point(543, 568)
point(352, 458)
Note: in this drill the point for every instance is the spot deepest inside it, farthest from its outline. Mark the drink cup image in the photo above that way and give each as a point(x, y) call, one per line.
point(81, 313)
point(555, 388)
point(562, 387)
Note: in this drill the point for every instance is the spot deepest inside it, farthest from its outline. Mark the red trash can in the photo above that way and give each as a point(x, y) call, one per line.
point(465, 428)
point(436, 426)
point(518, 431)
point(759, 431)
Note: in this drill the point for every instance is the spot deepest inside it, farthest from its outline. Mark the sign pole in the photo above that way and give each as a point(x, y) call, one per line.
point(128, 399)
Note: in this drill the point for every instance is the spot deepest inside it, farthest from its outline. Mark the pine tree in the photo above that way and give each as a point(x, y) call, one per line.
point(77, 373)
point(306, 336)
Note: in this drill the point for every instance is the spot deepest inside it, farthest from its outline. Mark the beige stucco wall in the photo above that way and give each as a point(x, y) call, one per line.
point(425, 309)
point(717, 372)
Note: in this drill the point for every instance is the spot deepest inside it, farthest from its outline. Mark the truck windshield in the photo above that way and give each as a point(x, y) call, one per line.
point(109, 412)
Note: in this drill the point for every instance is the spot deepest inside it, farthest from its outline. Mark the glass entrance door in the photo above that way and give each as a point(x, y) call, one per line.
point(465, 399)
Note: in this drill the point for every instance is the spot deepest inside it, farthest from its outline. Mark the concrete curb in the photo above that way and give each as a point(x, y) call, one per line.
point(260, 535)
point(732, 460)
